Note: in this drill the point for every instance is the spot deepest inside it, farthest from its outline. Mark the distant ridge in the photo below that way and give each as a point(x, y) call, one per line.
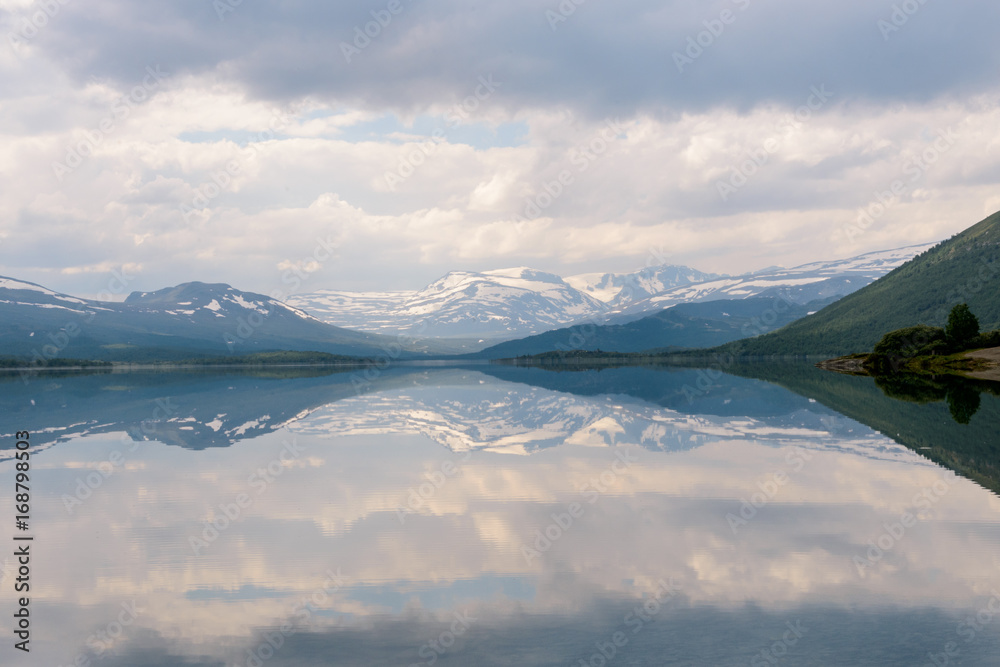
point(189, 320)
point(801, 284)
point(488, 305)
point(686, 325)
point(963, 269)
point(478, 309)
point(620, 289)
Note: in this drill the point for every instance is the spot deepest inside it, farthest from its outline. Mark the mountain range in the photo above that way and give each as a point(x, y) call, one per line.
point(620, 289)
point(509, 411)
point(481, 306)
point(963, 269)
point(657, 307)
point(921, 423)
point(496, 306)
point(686, 325)
point(185, 321)
point(800, 284)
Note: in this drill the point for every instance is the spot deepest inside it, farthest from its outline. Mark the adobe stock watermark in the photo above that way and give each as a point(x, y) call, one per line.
point(582, 157)
point(57, 343)
point(221, 180)
point(459, 113)
point(562, 12)
point(104, 640)
point(7, 570)
point(796, 460)
point(28, 27)
point(968, 629)
point(271, 642)
point(363, 37)
point(768, 319)
point(294, 275)
point(915, 169)
point(756, 158)
point(900, 16)
point(435, 648)
point(364, 381)
point(121, 109)
point(895, 531)
point(259, 481)
point(586, 330)
point(223, 7)
point(911, 345)
point(714, 28)
point(419, 496)
point(591, 491)
point(707, 378)
point(86, 486)
point(635, 620)
point(779, 649)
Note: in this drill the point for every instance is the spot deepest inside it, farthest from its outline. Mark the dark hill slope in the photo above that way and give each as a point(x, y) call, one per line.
point(189, 320)
point(687, 325)
point(924, 424)
point(963, 269)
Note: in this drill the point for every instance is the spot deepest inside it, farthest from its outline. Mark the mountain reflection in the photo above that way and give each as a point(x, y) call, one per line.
point(952, 421)
point(962, 395)
point(517, 410)
point(294, 521)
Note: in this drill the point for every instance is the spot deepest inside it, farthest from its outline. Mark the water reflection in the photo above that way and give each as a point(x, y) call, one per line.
point(936, 417)
point(962, 395)
point(456, 517)
point(460, 407)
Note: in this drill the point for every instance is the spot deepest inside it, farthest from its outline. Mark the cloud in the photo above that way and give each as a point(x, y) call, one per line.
point(603, 59)
point(793, 556)
point(585, 148)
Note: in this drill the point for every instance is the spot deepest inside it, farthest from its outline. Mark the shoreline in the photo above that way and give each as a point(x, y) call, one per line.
point(985, 362)
point(170, 366)
point(991, 356)
point(122, 367)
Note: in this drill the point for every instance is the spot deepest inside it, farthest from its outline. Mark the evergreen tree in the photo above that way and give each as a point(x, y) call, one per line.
point(964, 402)
point(963, 326)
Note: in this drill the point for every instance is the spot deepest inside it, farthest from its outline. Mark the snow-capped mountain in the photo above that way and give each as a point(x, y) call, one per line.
point(12, 290)
point(200, 300)
point(491, 305)
point(365, 311)
point(193, 318)
point(622, 288)
point(467, 410)
point(461, 312)
point(459, 409)
point(800, 284)
point(686, 325)
point(494, 306)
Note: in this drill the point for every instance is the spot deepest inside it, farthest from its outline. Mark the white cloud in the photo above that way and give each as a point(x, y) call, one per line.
point(651, 183)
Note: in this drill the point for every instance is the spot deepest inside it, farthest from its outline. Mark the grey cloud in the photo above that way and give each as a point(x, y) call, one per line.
point(679, 635)
point(605, 58)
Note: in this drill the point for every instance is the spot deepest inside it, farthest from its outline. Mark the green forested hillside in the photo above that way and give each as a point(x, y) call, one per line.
point(963, 269)
point(686, 325)
point(922, 418)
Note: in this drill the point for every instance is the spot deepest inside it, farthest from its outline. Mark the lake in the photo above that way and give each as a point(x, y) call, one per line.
point(493, 515)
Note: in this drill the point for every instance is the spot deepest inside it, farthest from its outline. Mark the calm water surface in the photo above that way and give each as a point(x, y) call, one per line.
point(502, 516)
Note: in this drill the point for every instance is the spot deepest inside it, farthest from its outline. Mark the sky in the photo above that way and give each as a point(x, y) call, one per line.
point(377, 145)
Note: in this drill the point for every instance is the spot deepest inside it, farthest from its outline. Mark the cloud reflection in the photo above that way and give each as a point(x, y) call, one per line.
point(662, 517)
